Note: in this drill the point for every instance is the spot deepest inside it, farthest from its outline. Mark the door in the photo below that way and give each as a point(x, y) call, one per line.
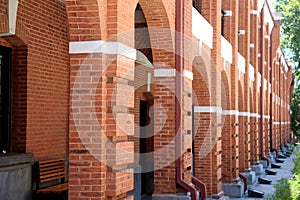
point(5, 67)
point(146, 147)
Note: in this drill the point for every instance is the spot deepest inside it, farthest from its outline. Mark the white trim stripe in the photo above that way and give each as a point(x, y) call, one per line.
point(230, 112)
point(244, 114)
point(279, 123)
point(100, 46)
point(188, 74)
point(200, 24)
point(207, 109)
point(164, 72)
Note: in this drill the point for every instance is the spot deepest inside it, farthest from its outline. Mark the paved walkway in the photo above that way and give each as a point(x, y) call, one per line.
point(284, 172)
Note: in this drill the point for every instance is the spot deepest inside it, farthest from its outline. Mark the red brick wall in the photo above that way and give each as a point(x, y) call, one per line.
point(44, 75)
point(40, 92)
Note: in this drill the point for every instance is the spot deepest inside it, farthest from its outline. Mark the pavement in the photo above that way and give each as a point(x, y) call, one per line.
point(284, 172)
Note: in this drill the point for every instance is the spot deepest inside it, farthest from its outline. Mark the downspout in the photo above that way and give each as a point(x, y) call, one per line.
point(279, 117)
point(262, 80)
point(271, 97)
point(178, 107)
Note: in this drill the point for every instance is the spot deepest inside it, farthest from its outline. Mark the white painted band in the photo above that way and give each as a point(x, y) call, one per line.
point(12, 17)
point(207, 109)
point(230, 112)
point(164, 72)
point(100, 46)
point(188, 74)
point(244, 114)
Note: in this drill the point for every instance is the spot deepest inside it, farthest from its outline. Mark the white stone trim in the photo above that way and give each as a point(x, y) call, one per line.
point(230, 112)
point(244, 114)
point(188, 74)
point(259, 79)
point(266, 116)
point(251, 73)
point(265, 84)
point(164, 72)
point(241, 63)
point(258, 115)
point(12, 17)
point(201, 28)
point(281, 123)
point(226, 50)
point(269, 19)
point(254, 12)
point(207, 109)
point(255, 115)
point(200, 47)
point(100, 46)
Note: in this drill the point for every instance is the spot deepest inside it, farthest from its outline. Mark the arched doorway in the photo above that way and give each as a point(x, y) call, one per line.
point(143, 102)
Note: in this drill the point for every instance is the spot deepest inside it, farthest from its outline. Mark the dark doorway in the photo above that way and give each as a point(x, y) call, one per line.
point(146, 148)
point(5, 67)
point(193, 137)
point(144, 100)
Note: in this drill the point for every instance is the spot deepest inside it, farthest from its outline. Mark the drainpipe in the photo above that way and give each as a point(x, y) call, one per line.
point(279, 117)
point(271, 97)
point(178, 109)
point(262, 79)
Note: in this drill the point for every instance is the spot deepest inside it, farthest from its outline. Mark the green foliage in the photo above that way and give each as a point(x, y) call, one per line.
point(295, 181)
point(289, 189)
point(290, 23)
point(295, 107)
point(290, 43)
point(283, 190)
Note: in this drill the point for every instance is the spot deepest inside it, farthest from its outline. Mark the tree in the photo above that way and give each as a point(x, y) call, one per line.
point(295, 107)
point(290, 27)
point(290, 44)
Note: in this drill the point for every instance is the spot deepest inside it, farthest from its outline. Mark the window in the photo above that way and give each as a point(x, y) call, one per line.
point(222, 21)
point(5, 66)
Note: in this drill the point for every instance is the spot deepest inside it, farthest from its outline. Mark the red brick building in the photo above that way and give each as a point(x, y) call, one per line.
point(144, 97)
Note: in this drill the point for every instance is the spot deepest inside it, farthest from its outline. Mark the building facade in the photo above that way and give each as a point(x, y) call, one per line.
point(144, 97)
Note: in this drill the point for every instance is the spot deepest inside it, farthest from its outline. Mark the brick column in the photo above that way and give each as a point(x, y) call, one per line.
point(230, 170)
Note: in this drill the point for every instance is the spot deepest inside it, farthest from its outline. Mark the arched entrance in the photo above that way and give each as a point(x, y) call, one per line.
point(143, 102)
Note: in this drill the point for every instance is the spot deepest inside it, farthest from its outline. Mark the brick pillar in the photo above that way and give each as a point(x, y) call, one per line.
point(87, 139)
point(244, 50)
point(231, 170)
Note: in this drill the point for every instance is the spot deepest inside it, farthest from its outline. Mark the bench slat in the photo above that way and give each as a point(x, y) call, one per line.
point(52, 176)
point(54, 189)
point(51, 164)
point(49, 170)
point(51, 161)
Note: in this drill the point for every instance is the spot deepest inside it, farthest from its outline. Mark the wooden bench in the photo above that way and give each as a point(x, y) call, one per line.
point(51, 173)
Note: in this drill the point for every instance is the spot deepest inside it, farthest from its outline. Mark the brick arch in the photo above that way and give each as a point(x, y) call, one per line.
point(202, 120)
point(253, 133)
point(163, 57)
point(225, 91)
point(241, 96)
point(158, 22)
point(86, 19)
point(226, 129)
point(242, 128)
